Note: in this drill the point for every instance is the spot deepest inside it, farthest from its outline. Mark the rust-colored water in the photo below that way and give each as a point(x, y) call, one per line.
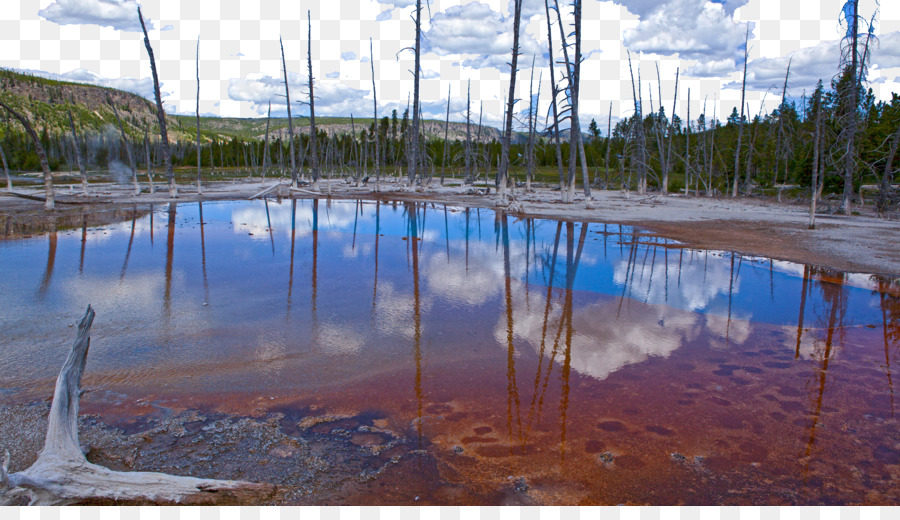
point(530, 361)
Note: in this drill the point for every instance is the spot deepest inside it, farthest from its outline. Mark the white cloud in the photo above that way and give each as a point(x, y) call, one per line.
point(692, 29)
point(118, 14)
point(808, 66)
point(348, 56)
point(887, 52)
point(478, 31)
point(333, 75)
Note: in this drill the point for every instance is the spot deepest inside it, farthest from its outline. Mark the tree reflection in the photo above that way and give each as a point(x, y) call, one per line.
point(170, 253)
point(834, 298)
point(51, 261)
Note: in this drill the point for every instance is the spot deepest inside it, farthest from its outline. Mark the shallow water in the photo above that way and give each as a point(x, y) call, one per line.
point(565, 362)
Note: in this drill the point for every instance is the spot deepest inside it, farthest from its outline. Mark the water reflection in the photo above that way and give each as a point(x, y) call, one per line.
point(560, 341)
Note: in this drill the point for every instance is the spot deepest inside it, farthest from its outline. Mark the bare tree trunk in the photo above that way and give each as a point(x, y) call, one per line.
point(608, 143)
point(687, 148)
point(313, 135)
point(780, 143)
point(49, 201)
point(413, 159)
point(814, 189)
point(287, 95)
point(737, 150)
point(639, 133)
point(375, 115)
point(503, 174)
point(671, 135)
point(887, 179)
point(446, 130)
point(149, 161)
point(554, 90)
point(199, 187)
point(61, 475)
point(529, 147)
point(851, 126)
point(9, 185)
point(573, 75)
point(266, 151)
point(160, 114)
point(469, 179)
point(78, 157)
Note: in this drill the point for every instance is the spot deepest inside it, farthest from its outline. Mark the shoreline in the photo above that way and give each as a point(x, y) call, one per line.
point(756, 226)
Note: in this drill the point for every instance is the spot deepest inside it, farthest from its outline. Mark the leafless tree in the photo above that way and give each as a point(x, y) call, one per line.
point(160, 114)
point(78, 156)
point(313, 135)
point(446, 130)
point(287, 95)
point(503, 173)
point(468, 152)
point(375, 116)
point(199, 187)
point(817, 151)
point(554, 89)
point(737, 149)
point(49, 201)
point(413, 159)
point(6, 169)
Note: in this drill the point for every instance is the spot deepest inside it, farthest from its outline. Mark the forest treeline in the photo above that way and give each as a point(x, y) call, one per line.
point(778, 149)
point(838, 139)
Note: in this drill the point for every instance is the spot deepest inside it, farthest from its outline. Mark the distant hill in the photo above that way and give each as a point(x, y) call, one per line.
point(45, 102)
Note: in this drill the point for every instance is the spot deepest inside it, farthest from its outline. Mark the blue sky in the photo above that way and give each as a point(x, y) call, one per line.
point(98, 41)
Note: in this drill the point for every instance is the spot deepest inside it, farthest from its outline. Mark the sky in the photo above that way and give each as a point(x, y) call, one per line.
point(100, 42)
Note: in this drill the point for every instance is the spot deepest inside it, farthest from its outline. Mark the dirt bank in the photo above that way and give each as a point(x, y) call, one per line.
point(755, 226)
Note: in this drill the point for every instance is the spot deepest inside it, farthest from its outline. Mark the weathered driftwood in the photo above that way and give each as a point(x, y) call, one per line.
point(263, 192)
point(62, 475)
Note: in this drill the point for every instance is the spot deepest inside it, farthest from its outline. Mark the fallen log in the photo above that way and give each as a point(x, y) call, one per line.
point(263, 192)
point(63, 476)
point(42, 199)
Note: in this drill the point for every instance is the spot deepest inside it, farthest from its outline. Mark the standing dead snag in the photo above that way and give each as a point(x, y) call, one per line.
point(199, 188)
point(42, 155)
point(503, 174)
point(737, 150)
point(61, 475)
point(160, 114)
point(375, 112)
point(5, 169)
point(78, 157)
point(313, 136)
point(287, 95)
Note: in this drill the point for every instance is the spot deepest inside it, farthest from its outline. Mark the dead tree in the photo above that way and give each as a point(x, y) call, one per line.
point(199, 188)
point(529, 146)
point(446, 130)
point(313, 136)
point(413, 158)
point(554, 91)
point(149, 162)
point(6, 169)
point(503, 173)
point(608, 143)
point(287, 95)
point(160, 114)
point(817, 144)
point(78, 156)
point(641, 144)
point(61, 475)
point(42, 155)
point(573, 79)
point(131, 162)
point(266, 150)
point(375, 115)
point(468, 152)
point(781, 144)
point(887, 178)
point(737, 149)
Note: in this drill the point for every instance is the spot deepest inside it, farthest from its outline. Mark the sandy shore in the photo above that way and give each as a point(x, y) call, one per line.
point(754, 226)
